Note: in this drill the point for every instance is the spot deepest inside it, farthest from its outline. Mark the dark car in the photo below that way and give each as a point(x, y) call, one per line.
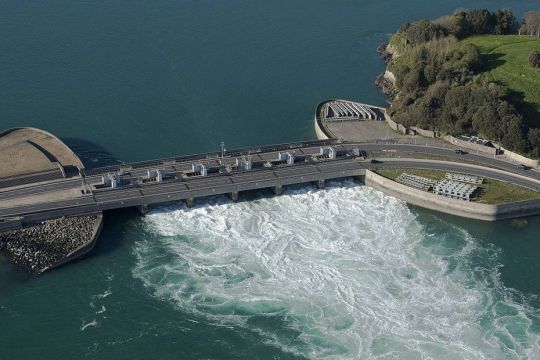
point(523, 167)
point(460, 152)
point(375, 161)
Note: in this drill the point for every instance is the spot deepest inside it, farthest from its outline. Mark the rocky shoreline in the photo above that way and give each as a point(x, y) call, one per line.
point(40, 247)
point(387, 80)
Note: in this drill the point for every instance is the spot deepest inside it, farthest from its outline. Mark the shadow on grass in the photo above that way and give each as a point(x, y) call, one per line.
point(492, 61)
point(529, 111)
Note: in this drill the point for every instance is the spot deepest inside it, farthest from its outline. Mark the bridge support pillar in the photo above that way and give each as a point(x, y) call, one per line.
point(143, 209)
point(278, 189)
point(321, 184)
point(189, 202)
point(234, 195)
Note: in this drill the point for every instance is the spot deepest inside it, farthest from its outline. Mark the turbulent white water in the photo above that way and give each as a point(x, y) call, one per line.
point(341, 273)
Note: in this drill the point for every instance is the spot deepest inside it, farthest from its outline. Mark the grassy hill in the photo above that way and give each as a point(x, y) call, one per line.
point(506, 62)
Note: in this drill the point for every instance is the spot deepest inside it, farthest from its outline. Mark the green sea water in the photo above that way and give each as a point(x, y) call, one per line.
point(344, 273)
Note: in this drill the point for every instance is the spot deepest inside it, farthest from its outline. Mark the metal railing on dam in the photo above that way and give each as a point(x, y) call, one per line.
point(194, 176)
point(187, 178)
point(213, 154)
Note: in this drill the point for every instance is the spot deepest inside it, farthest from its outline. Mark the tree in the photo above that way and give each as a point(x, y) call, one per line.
point(484, 120)
point(438, 85)
point(413, 81)
point(421, 31)
point(530, 24)
point(450, 23)
point(534, 139)
point(479, 21)
point(534, 59)
point(460, 23)
point(505, 22)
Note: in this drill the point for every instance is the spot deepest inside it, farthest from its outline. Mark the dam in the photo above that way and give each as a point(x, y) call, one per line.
point(47, 182)
point(181, 178)
point(189, 177)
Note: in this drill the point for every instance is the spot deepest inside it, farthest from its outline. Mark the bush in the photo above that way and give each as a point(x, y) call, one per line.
point(479, 21)
point(534, 59)
point(534, 139)
point(505, 22)
point(439, 88)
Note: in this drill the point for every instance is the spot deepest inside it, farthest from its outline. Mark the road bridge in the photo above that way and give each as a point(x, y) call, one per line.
point(188, 177)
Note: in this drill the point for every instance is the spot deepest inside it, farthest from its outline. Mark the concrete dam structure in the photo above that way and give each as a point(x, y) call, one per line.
point(182, 178)
point(28, 201)
point(29, 157)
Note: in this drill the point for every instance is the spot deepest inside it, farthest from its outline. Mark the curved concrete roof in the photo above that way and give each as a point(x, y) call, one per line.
point(26, 150)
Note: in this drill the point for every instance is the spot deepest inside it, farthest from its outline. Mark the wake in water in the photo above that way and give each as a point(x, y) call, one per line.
point(341, 273)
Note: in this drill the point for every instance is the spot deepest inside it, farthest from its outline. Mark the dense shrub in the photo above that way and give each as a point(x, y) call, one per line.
point(534, 59)
point(439, 86)
point(461, 24)
point(505, 22)
point(422, 31)
point(534, 139)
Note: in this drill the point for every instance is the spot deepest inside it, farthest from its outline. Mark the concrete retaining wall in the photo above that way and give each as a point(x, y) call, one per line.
point(470, 145)
point(423, 132)
point(402, 129)
point(452, 206)
point(319, 131)
point(391, 123)
point(512, 156)
point(413, 130)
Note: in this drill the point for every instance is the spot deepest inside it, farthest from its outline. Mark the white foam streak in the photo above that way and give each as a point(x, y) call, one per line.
point(86, 325)
point(348, 269)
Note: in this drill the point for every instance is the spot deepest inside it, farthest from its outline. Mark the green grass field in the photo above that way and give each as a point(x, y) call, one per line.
point(491, 191)
point(507, 63)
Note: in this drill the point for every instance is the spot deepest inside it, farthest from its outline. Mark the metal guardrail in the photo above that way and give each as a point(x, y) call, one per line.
point(136, 185)
point(184, 158)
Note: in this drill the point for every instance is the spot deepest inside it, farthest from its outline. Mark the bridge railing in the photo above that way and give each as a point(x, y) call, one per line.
point(185, 158)
point(133, 182)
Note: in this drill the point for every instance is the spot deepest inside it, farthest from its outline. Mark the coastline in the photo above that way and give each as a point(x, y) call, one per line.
point(471, 210)
point(450, 206)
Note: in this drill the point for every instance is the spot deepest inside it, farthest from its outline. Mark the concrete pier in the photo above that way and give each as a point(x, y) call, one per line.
point(189, 202)
point(234, 195)
point(321, 184)
point(277, 189)
point(143, 209)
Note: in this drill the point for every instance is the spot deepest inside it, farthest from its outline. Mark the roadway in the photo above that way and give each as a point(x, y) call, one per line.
point(183, 188)
point(136, 169)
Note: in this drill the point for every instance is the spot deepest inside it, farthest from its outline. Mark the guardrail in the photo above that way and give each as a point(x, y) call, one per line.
point(185, 158)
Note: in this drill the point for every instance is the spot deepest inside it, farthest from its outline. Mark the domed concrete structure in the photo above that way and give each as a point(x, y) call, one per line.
point(29, 155)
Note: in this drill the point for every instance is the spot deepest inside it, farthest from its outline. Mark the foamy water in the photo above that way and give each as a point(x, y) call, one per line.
point(341, 273)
